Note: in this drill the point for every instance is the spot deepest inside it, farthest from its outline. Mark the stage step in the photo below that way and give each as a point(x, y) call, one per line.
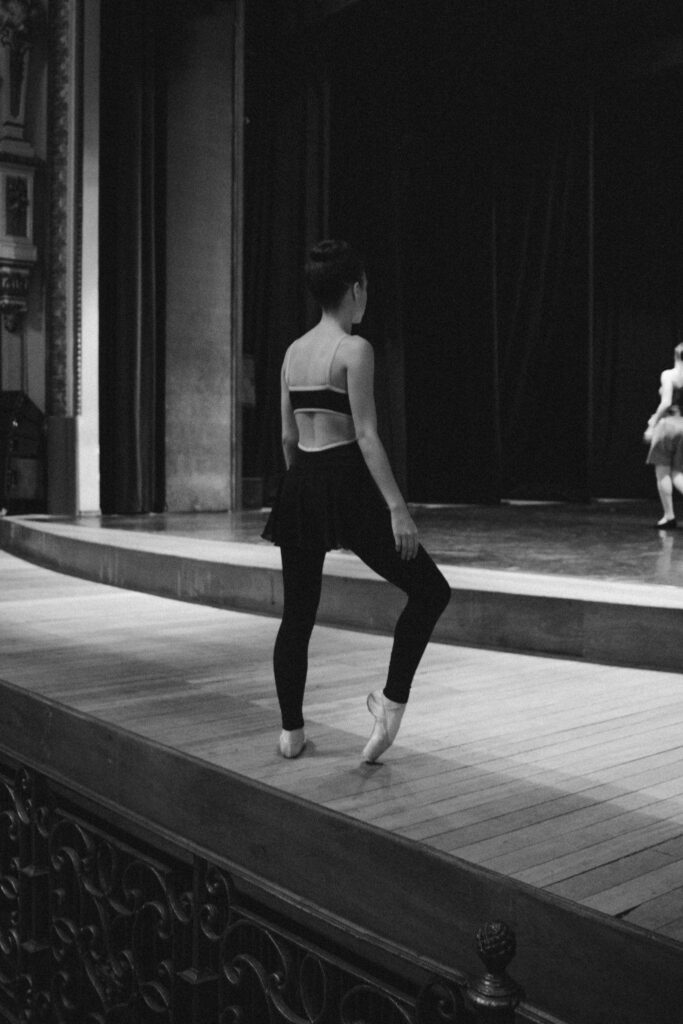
point(593, 620)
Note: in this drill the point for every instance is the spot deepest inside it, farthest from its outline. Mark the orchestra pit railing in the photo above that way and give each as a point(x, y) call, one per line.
point(103, 926)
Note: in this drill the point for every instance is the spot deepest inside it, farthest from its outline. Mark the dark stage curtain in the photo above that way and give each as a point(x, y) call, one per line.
point(450, 396)
point(495, 320)
point(638, 271)
point(285, 195)
point(540, 299)
point(410, 184)
point(370, 180)
point(465, 176)
point(131, 261)
point(523, 223)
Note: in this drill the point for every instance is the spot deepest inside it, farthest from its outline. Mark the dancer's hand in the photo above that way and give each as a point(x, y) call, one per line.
point(405, 533)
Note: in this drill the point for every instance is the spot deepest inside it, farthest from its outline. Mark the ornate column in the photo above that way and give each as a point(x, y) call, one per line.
point(60, 126)
point(72, 257)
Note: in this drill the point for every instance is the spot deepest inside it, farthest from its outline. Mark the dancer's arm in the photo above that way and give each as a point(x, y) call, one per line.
point(290, 431)
point(360, 370)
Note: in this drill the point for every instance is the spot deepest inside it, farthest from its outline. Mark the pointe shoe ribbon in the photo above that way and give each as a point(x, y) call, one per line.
point(387, 715)
point(291, 742)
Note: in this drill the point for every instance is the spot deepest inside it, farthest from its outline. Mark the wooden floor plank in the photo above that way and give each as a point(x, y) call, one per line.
point(566, 775)
point(620, 899)
point(515, 805)
point(613, 847)
point(611, 827)
point(605, 876)
point(548, 829)
point(664, 909)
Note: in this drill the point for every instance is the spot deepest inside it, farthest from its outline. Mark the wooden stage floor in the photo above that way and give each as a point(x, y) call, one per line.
point(565, 774)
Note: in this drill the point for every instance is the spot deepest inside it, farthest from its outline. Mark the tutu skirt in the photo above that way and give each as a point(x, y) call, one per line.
point(666, 447)
point(324, 499)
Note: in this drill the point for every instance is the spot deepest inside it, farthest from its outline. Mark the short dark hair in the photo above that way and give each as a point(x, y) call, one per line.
point(332, 267)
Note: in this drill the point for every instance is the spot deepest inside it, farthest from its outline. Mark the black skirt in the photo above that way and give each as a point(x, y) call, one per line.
point(324, 499)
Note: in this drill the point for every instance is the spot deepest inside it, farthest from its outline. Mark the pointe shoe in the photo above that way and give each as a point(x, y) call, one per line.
point(291, 742)
point(667, 524)
point(388, 715)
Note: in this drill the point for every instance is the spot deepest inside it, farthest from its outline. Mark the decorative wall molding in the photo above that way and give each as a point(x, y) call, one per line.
point(20, 21)
point(61, 68)
point(14, 284)
point(77, 255)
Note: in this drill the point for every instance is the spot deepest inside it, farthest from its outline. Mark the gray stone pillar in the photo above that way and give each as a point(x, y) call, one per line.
point(201, 339)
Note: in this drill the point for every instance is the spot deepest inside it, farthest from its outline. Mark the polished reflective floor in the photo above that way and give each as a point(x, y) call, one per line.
point(606, 540)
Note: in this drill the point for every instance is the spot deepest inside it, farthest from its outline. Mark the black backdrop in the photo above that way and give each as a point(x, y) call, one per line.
point(638, 267)
point(513, 174)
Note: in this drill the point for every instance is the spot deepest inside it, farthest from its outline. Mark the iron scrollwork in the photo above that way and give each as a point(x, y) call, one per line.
point(98, 927)
point(24, 896)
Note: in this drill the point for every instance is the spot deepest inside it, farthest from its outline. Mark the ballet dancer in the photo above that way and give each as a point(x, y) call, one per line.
point(339, 491)
point(665, 435)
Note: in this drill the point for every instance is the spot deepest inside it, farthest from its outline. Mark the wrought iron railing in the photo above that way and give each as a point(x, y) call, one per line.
point(98, 925)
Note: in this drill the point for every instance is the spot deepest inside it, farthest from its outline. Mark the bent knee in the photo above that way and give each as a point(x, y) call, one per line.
point(436, 597)
point(443, 595)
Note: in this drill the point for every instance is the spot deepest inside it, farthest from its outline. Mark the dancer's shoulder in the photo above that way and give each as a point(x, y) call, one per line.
point(355, 345)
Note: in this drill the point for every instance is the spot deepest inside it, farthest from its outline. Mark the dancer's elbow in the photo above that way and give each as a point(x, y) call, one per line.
point(367, 437)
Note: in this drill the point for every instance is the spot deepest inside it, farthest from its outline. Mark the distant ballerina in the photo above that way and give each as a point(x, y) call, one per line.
point(339, 491)
point(665, 434)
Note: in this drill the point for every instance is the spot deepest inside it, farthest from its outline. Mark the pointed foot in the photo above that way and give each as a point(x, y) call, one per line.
point(388, 715)
point(292, 742)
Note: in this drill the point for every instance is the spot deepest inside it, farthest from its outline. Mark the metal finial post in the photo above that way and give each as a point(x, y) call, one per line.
point(493, 996)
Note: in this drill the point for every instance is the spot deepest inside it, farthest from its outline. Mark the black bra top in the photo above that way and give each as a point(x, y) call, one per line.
point(319, 397)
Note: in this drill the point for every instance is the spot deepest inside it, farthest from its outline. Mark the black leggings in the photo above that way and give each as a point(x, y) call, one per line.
point(428, 594)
